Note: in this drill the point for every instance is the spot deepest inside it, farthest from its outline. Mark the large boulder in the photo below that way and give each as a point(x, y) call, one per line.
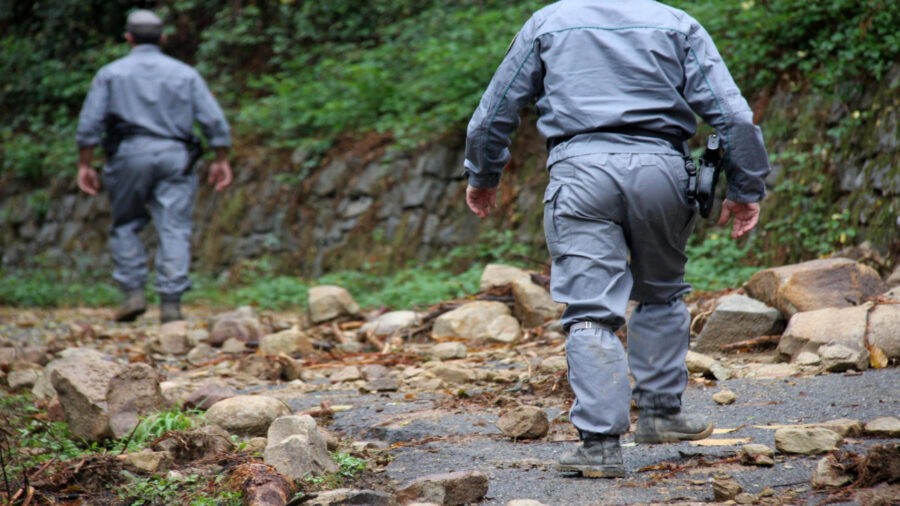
point(884, 329)
point(469, 321)
point(326, 302)
point(499, 275)
point(81, 388)
point(288, 341)
point(812, 329)
point(461, 487)
point(818, 284)
point(736, 318)
point(248, 415)
point(43, 387)
point(132, 392)
point(534, 305)
point(296, 448)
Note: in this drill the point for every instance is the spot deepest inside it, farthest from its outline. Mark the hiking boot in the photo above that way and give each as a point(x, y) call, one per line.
point(599, 456)
point(170, 311)
point(669, 426)
point(135, 304)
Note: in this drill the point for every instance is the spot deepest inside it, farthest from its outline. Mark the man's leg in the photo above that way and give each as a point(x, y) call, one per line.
point(126, 179)
point(172, 207)
point(659, 222)
point(590, 275)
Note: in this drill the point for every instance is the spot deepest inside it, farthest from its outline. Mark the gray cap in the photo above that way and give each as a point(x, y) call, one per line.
point(144, 22)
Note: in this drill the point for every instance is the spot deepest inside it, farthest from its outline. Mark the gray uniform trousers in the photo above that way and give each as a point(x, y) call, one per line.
point(616, 227)
point(144, 182)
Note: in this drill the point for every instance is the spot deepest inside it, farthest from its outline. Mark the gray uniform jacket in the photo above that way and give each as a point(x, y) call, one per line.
point(598, 65)
point(154, 91)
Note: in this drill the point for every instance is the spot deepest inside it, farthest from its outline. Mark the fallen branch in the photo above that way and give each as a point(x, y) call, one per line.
point(756, 342)
point(261, 485)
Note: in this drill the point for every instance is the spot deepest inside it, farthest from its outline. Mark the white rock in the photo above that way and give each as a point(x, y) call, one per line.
point(81, 388)
point(296, 448)
point(807, 358)
point(469, 321)
point(498, 275)
point(326, 302)
point(288, 341)
point(885, 426)
point(392, 323)
point(806, 441)
point(504, 329)
point(449, 350)
point(884, 328)
point(838, 357)
point(828, 473)
point(348, 373)
point(809, 330)
point(248, 415)
point(534, 306)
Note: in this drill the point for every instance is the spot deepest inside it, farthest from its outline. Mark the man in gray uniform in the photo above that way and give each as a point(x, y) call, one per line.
point(155, 100)
point(617, 85)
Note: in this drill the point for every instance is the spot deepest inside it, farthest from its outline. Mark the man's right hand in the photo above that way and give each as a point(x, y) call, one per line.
point(746, 215)
point(88, 180)
point(219, 175)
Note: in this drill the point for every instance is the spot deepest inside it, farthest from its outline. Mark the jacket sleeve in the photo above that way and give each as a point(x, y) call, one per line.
point(210, 116)
point(93, 113)
point(712, 93)
point(517, 80)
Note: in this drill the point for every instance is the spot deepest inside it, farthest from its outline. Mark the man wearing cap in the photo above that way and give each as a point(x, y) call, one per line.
point(142, 108)
point(617, 86)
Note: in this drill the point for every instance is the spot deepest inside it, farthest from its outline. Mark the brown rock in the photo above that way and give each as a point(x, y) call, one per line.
point(818, 284)
point(806, 441)
point(885, 426)
point(327, 302)
point(469, 321)
point(726, 489)
point(132, 392)
point(191, 445)
point(884, 329)
point(461, 487)
point(207, 395)
point(81, 388)
point(296, 448)
point(243, 329)
point(270, 367)
point(534, 306)
point(844, 427)
point(246, 414)
point(288, 341)
point(829, 473)
point(499, 275)
point(525, 422)
point(172, 338)
point(349, 373)
point(374, 371)
point(146, 461)
point(810, 330)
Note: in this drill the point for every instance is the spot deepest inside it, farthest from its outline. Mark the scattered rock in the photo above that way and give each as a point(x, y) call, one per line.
point(838, 357)
point(554, 364)
point(461, 487)
point(534, 306)
point(452, 373)
point(197, 336)
point(386, 384)
point(499, 275)
point(884, 329)
point(893, 280)
point(885, 426)
point(806, 441)
point(327, 302)
point(374, 371)
point(449, 350)
point(296, 448)
point(807, 358)
point(43, 387)
point(201, 354)
point(771, 370)
point(242, 329)
point(81, 387)
point(724, 397)
point(829, 473)
point(172, 338)
point(757, 455)
point(469, 321)
point(349, 373)
point(132, 392)
point(270, 367)
point(736, 318)
point(706, 365)
point(525, 502)
point(810, 330)
point(504, 329)
point(191, 445)
point(818, 284)
point(392, 323)
point(19, 380)
point(248, 415)
point(288, 341)
point(207, 395)
point(346, 497)
point(234, 345)
point(146, 461)
point(726, 489)
point(524, 422)
point(844, 427)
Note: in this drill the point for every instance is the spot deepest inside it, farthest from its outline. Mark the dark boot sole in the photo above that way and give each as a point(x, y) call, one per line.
point(672, 437)
point(593, 471)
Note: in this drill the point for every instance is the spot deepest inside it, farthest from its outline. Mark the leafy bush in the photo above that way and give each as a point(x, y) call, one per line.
point(719, 262)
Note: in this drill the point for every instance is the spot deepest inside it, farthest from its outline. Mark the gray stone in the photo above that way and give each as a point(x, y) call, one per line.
point(347, 497)
point(296, 448)
point(330, 178)
point(757, 455)
point(885, 426)
point(810, 330)
point(524, 422)
point(374, 371)
point(843, 427)
point(248, 415)
point(469, 321)
point(172, 338)
point(706, 365)
point(327, 302)
point(449, 350)
point(726, 489)
point(18, 380)
point(818, 284)
point(829, 473)
point(736, 318)
point(207, 395)
point(462, 487)
point(243, 329)
point(81, 388)
point(839, 357)
point(387, 384)
point(499, 275)
point(348, 373)
point(806, 440)
point(288, 341)
point(807, 358)
point(201, 354)
point(452, 373)
point(132, 392)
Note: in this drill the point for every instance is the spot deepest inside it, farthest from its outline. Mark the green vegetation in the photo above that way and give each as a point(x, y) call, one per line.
point(153, 489)
point(348, 467)
point(719, 262)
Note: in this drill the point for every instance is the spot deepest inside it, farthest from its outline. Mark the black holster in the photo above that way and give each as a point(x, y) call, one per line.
point(117, 129)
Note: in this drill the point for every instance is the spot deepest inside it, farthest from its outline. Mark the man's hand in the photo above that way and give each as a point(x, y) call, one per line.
point(481, 200)
point(219, 175)
point(88, 180)
point(746, 215)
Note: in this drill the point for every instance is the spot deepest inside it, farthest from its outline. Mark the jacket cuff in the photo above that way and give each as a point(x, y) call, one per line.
point(478, 180)
point(735, 195)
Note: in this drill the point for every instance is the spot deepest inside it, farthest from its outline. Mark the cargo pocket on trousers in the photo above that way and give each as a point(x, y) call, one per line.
point(554, 231)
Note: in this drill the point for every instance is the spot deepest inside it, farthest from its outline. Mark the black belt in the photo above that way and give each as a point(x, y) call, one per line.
point(678, 143)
